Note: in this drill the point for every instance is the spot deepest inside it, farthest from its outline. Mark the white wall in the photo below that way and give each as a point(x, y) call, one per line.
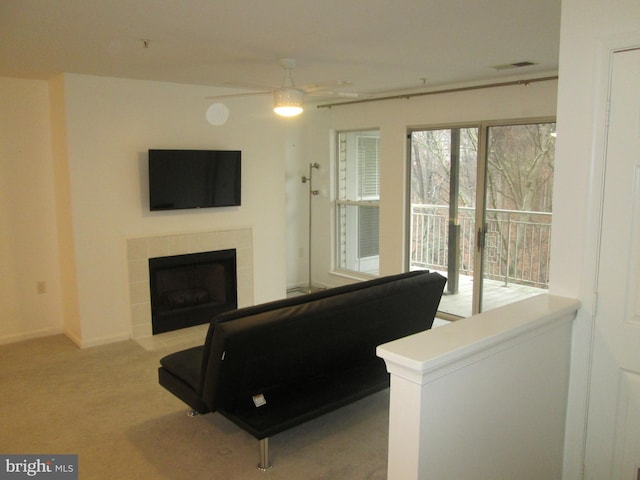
point(74, 187)
point(102, 128)
point(111, 123)
point(28, 239)
point(393, 118)
point(588, 28)
point(296, 206)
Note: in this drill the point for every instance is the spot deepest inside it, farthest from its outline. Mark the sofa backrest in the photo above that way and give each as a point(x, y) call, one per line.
point(301, 339)
point(291, 301)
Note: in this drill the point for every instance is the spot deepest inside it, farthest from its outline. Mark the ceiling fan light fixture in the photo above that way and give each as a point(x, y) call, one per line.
point(287, 102)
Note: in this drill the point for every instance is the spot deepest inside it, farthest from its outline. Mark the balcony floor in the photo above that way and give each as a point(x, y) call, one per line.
point(495, 294)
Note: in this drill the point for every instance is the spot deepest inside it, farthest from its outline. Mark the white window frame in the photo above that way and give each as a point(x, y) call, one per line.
point(351, 194)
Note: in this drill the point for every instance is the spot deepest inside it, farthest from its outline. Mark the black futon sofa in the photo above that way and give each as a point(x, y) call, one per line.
point(273, 366)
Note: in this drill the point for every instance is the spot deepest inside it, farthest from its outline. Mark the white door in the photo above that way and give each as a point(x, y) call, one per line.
point(613, 428)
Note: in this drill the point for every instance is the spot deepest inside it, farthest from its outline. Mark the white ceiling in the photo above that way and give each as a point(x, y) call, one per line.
point(377, 45)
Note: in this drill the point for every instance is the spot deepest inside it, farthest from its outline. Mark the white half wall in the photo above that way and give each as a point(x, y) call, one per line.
point(484, 397)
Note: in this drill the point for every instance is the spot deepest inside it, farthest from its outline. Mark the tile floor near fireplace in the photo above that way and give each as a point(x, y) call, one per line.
point(175, 340)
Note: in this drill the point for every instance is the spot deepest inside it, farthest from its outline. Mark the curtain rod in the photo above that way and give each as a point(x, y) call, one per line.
point(434, 92)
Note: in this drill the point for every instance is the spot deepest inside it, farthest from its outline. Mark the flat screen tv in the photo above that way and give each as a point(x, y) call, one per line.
point(180, 179)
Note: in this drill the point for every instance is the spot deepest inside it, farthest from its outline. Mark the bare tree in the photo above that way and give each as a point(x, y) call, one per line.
point(519, 177)
point(520, 167)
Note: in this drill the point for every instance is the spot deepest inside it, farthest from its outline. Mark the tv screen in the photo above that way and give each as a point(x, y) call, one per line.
point(180, 179)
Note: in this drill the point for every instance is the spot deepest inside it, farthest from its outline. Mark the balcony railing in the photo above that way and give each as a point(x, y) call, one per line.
point(517, 243)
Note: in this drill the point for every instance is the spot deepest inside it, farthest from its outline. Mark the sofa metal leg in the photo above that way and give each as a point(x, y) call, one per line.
point(264, 464)
point(193, 413)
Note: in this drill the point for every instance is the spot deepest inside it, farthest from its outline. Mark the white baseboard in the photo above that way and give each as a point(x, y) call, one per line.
point(95, 342)
point(47, 332)
point(19, 337)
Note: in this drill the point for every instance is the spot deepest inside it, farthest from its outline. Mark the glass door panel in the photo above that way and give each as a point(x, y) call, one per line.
point(517, 221)
point(444, 164)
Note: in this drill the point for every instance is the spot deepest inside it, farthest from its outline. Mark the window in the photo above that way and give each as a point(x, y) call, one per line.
point(357, 196)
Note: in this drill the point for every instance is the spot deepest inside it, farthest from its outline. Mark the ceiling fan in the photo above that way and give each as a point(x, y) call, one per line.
point(288, 98)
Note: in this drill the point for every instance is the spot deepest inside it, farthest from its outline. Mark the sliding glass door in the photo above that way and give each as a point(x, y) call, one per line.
point(517, 221)
point(480, 211)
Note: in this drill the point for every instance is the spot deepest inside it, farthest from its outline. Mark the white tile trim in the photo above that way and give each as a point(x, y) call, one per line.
point(140, 250)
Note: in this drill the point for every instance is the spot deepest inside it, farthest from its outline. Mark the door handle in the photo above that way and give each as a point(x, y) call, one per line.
point(480, 238)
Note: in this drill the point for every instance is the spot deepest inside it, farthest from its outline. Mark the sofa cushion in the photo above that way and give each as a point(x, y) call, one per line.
point(186, 366)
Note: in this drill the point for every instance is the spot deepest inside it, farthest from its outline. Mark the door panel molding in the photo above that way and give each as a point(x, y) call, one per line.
point(627, 435)
point(612, 442)
point(632, 314)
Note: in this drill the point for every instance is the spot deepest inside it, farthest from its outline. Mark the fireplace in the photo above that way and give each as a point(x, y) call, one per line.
point(188, 290)
point(141, 249)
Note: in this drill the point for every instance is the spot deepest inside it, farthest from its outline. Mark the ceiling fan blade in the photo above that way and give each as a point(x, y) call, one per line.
point(288, 92)
point(232, 95)
point(316, 87)
point(327, 93)
point(246, 86)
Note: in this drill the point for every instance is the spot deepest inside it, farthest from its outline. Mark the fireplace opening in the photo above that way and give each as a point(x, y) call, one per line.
point(188, 290)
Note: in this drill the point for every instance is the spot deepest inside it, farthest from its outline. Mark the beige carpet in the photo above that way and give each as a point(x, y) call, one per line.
point(105, 405)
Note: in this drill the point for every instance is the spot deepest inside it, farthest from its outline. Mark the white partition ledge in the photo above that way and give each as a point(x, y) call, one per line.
point(484, 397)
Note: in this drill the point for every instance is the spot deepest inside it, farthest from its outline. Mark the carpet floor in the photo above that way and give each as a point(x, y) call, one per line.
point(105, 405)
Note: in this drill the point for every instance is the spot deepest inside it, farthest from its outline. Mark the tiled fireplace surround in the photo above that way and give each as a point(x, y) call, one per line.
point(140, 250)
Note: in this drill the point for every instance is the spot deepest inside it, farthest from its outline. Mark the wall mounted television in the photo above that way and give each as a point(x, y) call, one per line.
point(181, 179)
